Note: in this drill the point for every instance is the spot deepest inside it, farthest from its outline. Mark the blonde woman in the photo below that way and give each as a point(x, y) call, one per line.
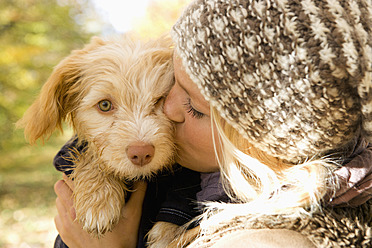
point(276, 95)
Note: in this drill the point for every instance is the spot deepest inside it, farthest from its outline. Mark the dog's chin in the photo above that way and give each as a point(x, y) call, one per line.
point(126, 169)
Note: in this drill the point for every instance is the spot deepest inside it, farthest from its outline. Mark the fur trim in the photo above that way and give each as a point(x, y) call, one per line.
point(332, 227)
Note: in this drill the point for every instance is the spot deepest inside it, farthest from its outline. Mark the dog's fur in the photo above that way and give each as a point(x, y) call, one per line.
point(164, 234)
point(134, 76)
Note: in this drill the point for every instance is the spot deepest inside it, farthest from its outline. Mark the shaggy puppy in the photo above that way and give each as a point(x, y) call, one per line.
point(111, 92)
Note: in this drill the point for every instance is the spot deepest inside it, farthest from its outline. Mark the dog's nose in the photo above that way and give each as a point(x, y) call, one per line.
point(140, 153)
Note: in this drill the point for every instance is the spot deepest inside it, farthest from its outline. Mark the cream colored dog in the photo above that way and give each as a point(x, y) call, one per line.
point(111, 92)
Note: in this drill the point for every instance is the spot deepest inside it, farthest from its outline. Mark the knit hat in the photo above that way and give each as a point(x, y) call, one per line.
point(293, 77)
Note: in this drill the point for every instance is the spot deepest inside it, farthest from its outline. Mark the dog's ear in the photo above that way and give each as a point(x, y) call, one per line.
point(48, 111)
point(58, 97)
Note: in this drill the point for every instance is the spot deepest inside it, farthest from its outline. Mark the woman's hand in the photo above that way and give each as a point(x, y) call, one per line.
point(125, 232)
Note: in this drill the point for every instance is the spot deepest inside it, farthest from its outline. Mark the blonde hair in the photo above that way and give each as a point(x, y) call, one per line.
point(261, 184)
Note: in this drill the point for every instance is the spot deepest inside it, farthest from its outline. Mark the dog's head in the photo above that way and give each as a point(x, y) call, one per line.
point(111, 92)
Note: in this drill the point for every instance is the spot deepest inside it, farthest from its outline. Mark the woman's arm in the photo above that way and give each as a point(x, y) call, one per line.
point(125, 232)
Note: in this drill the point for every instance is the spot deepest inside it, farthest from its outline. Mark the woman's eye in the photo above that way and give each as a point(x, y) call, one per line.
point(193, 112)
point(105, 105)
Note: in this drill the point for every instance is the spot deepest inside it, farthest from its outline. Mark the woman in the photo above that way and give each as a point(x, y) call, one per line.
point(277, 96)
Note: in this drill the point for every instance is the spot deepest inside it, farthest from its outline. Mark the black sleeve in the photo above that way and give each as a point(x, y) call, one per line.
point(63, 161)
point(180, 204)
point(170, 197)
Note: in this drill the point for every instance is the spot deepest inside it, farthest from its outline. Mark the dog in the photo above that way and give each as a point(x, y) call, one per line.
point(111, 92)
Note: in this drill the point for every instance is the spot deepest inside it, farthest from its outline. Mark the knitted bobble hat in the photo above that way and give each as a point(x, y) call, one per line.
point(293, 77)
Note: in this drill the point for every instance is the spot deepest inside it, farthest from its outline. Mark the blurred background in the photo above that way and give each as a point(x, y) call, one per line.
point(34, 36)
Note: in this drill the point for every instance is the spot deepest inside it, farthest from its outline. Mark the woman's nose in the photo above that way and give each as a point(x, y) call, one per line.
point(173, 107)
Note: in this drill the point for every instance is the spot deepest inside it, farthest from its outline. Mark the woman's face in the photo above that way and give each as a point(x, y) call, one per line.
point(190, 112)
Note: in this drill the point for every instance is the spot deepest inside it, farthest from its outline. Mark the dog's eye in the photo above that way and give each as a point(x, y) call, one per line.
point(105, 105)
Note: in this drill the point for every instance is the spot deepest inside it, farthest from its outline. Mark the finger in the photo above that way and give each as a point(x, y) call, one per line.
point(65, 210)
point(133, 208)
point(64, 193)
point(64, 224)
point(68, 181)
point(138, 195)
point(58, 223)
point(61, 209)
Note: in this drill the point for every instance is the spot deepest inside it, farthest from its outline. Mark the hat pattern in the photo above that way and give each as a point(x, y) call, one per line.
point(293, 77)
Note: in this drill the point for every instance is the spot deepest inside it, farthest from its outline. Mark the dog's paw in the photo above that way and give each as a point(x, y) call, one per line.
point(98, 200)
point(98, 221)
point(98, 211)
